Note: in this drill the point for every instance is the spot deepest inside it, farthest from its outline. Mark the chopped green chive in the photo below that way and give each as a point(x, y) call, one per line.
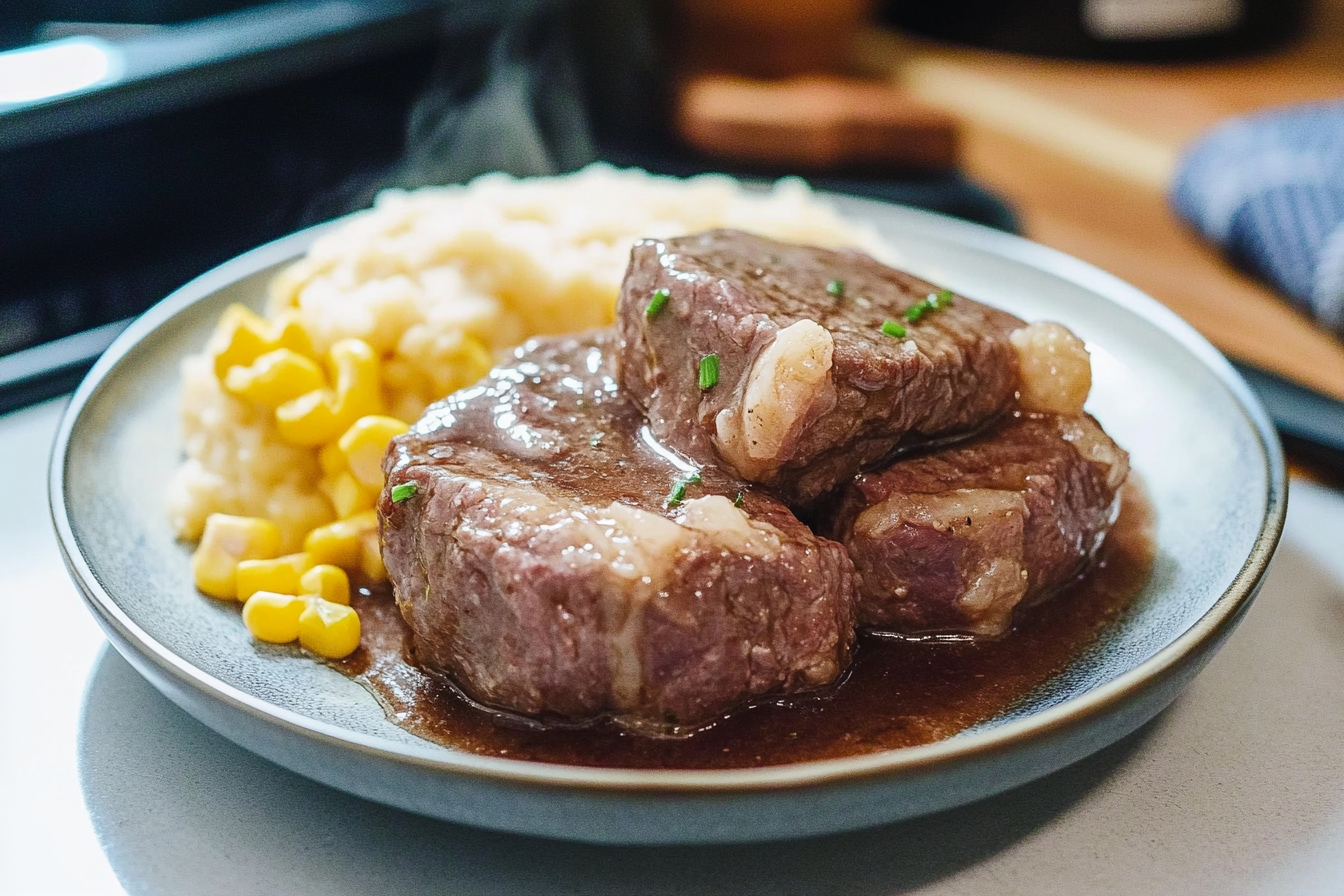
point(737, 502)
point(934, 302)
point(709, 371)
point(657, 303)
point(402, 492)
point(678, 493)
point(891, 328)
point(836, 288)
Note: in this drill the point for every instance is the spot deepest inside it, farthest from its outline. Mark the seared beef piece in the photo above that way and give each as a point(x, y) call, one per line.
point(541, 562)
point(954, 540)
point(810, 390)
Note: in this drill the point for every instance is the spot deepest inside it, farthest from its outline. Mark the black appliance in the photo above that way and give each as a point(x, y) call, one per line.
point(1135, 30)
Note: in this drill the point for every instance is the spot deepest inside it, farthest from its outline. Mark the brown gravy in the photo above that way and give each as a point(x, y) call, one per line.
point(898, 693)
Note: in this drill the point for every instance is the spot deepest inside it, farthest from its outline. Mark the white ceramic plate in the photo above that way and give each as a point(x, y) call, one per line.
point(1203, 446)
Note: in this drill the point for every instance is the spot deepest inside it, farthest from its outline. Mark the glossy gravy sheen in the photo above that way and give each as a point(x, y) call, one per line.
point(898, 693)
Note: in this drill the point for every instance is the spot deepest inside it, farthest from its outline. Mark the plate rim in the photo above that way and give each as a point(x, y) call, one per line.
point(1017, 734)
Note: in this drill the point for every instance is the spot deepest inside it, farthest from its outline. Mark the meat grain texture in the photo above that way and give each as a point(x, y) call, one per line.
point(955, 540)
point(810, 389)
point(548, 562)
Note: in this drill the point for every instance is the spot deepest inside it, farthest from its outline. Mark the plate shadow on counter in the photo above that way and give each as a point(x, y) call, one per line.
point(179, 809)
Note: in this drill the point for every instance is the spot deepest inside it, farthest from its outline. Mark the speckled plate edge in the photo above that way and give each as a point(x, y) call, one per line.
point(1171, 662)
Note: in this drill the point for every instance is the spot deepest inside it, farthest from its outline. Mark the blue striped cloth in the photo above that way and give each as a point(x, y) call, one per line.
point(1269, 189)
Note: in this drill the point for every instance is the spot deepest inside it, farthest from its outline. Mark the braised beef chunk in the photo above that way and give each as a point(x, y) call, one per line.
point(807, 389)
point(555, 559)
point(955, 539)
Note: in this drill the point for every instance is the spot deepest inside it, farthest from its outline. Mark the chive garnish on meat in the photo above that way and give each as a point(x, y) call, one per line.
point(836, 288)
point(737, 502)
point(678, 493)
point(709, 372)
point(403, 491)
point(936, 301)
point(893, 329)
point(656, 303)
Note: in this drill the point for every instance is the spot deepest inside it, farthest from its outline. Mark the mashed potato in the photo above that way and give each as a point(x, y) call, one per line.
point(437, 281)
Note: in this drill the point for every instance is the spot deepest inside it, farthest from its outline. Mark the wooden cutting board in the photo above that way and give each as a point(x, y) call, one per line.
point(1085, 151)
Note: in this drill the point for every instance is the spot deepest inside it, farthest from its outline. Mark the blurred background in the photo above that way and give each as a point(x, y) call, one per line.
point(144, 141)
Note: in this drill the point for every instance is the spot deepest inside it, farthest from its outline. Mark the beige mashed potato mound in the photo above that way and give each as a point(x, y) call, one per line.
point(427, 277)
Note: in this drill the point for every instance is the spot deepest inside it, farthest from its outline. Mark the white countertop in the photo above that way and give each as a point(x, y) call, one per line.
point(1238, 788)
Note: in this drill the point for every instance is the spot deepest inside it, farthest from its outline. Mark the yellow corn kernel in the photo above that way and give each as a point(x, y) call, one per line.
point(273, 617)
point(274, 378)
point(346, 494)
point(329, 630)
point(226, 541)
point(241, 336)
point(309, 419)
point(355, 370)
point(322, 415)
point(371, 558)
point(327, 582)
point(364, 445)
point(288, 331)
point(332, 459)
point(281, 574)
point(338, 543)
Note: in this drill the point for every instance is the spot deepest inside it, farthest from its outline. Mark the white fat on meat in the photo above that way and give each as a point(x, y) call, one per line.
point(998, 581)
point(1093, 445)
point(788, 384)
point(639, 551)
point(729, 526)
point(635, 551)
point(997, 588)
point(1056, 372)
point(642, 549)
